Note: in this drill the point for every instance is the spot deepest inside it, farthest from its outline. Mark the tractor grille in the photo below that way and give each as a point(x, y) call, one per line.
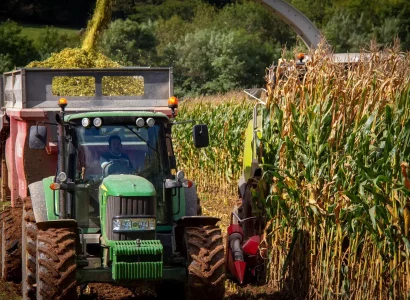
point(128, 206)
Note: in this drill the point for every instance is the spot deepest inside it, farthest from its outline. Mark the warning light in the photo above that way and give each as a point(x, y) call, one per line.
point(55, 186)
point(187, 184)
point(62, 101)
point(173, 102)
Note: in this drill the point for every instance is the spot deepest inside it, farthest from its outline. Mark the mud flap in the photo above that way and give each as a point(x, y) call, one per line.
point(191, 201)
point(38, 201)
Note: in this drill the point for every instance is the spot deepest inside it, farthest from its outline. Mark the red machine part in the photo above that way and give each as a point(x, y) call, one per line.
point(235, 261)
point(235, 228)
point(251, 246)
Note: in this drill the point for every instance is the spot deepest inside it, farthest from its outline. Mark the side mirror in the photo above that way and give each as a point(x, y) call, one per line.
point(38, 137)
point(200, 135)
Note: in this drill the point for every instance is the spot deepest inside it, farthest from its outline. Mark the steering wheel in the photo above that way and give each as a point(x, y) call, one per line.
point(116, 166)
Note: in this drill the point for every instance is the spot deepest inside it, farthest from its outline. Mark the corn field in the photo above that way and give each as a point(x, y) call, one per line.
point(217, 167)
point(336, 148)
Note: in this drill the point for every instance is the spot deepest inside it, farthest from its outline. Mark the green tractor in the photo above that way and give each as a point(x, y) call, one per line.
point(116, 209)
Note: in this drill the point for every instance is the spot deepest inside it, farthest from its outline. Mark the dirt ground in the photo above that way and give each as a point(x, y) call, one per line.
point(12, 291)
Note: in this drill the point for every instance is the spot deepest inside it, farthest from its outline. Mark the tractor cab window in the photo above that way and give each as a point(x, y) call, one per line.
point(117, 149)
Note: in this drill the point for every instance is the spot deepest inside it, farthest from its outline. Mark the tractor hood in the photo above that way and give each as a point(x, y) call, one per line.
point(127, 186)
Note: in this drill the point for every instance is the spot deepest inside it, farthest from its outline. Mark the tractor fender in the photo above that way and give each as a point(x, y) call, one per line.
point(191, 201)
point(38, 201)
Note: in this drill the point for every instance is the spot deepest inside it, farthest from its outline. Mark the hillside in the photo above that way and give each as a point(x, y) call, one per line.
point(34, 31)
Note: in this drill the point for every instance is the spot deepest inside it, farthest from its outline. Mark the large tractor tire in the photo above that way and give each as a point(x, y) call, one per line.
point(206, 263)
point(56, 264)
point(11, 245)
point(28, 250)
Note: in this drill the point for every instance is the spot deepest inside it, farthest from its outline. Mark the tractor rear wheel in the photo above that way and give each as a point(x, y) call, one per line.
point(206, 263)
point(11, 245)
point(56, 264)
point(28, 250)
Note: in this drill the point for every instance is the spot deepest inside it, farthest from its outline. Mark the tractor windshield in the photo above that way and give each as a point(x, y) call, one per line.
point(118, 149)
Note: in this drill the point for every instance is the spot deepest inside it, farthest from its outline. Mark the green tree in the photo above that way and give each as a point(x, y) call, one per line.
point(51, 41)
point(15, 49)
point(129, 42)
point(348, 33)
point(6, 63)
point(383, 20)
point(317, 11)
point(165, 9)
point(255, 19)
point(212, 60)
point(387, 32)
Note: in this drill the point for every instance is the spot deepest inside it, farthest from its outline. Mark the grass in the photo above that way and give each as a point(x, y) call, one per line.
point(33, 31)
point(10, 290)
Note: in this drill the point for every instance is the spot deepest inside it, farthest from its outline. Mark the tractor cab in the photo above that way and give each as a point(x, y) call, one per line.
point(119, 150)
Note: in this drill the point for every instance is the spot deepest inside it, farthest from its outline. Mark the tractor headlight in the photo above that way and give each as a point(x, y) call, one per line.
point(116, 224)
point(97, 122)
point(150, 122)
point(180, 175)
point(86, 122)
point(140, 122)
point(133, 224)
point(62, 177)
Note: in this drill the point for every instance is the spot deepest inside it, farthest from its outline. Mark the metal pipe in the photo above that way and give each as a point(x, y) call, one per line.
point(61, 163)
point(235, 242)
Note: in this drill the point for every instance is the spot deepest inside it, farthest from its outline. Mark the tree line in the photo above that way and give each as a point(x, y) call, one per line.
point(213, 46)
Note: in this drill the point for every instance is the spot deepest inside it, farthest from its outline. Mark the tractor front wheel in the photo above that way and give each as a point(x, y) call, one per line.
point(206, 264)
point(56, 264)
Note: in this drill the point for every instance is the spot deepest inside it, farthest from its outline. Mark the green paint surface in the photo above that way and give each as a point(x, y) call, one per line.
point(127, 186)
point(247, 153)
point(51, 198)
